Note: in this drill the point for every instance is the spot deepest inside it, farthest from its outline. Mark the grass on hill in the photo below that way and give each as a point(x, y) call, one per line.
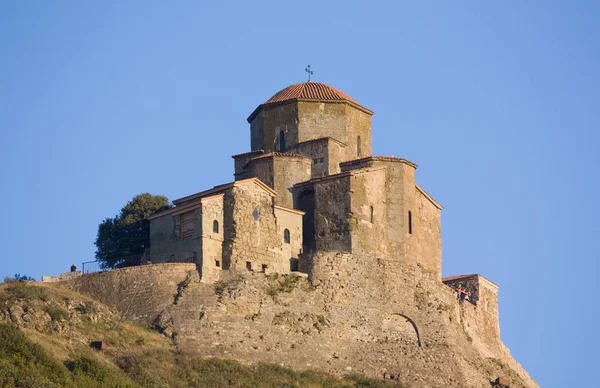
point(137, 357)
point(26, 364)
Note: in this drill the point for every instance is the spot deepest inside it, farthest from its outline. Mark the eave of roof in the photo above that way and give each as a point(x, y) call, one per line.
point(223, 187)
point(380, 158)
point(433, 201)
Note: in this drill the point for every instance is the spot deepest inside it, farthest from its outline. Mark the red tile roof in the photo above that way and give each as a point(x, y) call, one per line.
point(450, 278)
point(311, 91)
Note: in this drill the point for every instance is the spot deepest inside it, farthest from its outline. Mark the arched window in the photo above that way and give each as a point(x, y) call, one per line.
point(409, 222)
point(216, 226)
point(358, 146)
point(371, 214)
point(281, 141)
point(286, 236)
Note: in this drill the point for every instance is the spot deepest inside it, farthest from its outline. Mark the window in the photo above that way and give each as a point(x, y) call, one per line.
point(264, 267)
point(294, 264)
point(255, 214)
point(281, 141)
point(371, 214)
point(286, 236)
point(215, 226)
point(409, 222)
point(358, 146)
point(217, 263)
point(187, 225)
point(249, 265)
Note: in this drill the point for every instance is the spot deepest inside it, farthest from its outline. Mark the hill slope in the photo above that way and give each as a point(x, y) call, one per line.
point(45, 332)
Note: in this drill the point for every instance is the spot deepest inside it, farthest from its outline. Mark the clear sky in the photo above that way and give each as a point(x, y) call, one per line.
point(496, 101)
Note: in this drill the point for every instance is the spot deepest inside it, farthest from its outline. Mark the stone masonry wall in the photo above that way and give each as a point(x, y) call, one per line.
point(368, 212)
point(268, 123)
point(414, 238)
point(212, 237)
point(331, 214)
point(292, 221)
point(326, 155)
point(318, 118)
point(255, 238)
point(287, 172)
point(166, 243)
point(140, 293)
point(358, 124)
point(426, 243)
point(358, 314)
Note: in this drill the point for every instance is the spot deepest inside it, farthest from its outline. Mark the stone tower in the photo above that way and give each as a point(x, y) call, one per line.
point(311, 143)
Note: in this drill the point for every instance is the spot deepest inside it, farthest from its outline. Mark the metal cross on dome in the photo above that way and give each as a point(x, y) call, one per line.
point(309, 71)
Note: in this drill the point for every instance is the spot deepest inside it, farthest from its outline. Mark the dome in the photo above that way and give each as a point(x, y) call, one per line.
point(312, 91)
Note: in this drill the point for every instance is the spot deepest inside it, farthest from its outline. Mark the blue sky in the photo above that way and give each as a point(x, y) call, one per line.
point(496, 101)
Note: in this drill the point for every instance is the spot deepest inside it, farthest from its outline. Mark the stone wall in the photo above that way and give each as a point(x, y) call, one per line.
point(280, 172)
point(358, 124)
point(240, 161)
point(267, 124)
point(166, 241)
point(62, 277)
point(287, 172)
point(290, 220)
point(331, 214)
point(326, 154)
point(426, 243)
point(356, 314)
point(139, 293)
point(318, 118)
point(254, 238)
point(480, 316)
point(213, 228)
point(412, 220)
point(368, 212)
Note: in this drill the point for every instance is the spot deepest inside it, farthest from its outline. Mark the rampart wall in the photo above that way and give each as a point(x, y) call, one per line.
point(357, 314)
point(139, 293)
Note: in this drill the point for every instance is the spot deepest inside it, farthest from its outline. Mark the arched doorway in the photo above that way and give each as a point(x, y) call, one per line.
point(306, 203)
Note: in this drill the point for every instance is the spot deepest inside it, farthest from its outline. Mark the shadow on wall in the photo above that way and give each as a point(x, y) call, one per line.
point(401, 327)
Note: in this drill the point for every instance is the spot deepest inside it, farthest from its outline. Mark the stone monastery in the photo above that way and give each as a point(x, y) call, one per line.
point(309, 198)
point(309, 183)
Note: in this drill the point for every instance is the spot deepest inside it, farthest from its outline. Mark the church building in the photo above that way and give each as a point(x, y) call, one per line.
point(309, 183)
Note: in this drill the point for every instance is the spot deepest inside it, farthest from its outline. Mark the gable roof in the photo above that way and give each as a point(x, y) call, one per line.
point(190, 202)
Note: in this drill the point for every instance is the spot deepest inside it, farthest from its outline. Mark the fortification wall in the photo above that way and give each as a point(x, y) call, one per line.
point(139, 293)
point(360, 314)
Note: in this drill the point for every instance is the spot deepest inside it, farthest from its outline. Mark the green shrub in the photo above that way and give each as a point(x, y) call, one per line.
point(282, 283)
point(23, 291)
point(25, 364)
point(56, 312)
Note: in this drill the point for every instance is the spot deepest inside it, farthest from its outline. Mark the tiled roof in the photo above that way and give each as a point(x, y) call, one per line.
point(214, 190)
point(273, 154)
point(450, 278)
point(311, 91)
point(376, 158)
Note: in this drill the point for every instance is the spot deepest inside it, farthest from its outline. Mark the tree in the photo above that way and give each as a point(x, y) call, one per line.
point(122, 240)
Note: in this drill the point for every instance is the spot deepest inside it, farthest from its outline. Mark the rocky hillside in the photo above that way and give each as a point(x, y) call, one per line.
point(352, 314)
point(45, 336)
